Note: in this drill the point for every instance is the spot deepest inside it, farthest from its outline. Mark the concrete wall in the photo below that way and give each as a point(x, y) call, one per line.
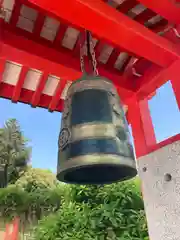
point(160, 175)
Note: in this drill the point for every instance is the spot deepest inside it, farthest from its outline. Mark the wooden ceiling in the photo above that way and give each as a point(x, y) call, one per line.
point(40, 50)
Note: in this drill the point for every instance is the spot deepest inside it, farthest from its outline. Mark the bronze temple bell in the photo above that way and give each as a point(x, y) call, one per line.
point(94, 146)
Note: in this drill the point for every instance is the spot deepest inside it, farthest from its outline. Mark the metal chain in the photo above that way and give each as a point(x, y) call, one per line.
point(93, 56)
point(83, 51)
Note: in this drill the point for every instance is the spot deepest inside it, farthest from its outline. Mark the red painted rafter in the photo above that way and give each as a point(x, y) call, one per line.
point(26, 96)
point(166, 8)
point(2, 67)
point(80, 41)
point(98, 48)
point(127, 5)
point(39, 89)
point(145, 16)
point(160, 26)
point(39, 24)
point(19, 84)
point(15, 13)
point(55, 99)
point(125, 63)
point(6, 91)
point(53, 68)
point(141, 66)
point(36, 62)
point(113, 57)
point(117, 28)
point(60, 34)
point(154, 77)
point(62, 59)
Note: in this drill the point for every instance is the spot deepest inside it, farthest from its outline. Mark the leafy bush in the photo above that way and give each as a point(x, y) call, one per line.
point(98, 212)
point(70, 222)
point(28, 206)
point(13, 202)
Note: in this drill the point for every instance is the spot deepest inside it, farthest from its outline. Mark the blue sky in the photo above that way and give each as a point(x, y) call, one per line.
point(42, 127)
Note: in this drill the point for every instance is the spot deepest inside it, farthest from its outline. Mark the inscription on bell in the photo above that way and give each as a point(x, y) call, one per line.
point(64, 138)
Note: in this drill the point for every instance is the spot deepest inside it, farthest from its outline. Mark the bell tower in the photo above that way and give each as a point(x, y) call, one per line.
point(137, 49)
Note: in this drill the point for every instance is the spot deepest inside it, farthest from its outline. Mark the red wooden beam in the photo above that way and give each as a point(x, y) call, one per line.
point(55, 99)
point(44, 65)
point(39, 24)
point(145, 16)
point(18, 87)
point(80, 41)
point(98, 48)
point(166, 8)
point(113, 57)
point(2, 67)
point(109, 24)
point(15, 13)
point(38, 92)
point(142, 128)
point(176, 87)
point(141, 66)
point(6, 91)
point(125, 6)
point(155, 77)
point(159, 26)
point(60, 63)
point(60, 35)
point(36, 62)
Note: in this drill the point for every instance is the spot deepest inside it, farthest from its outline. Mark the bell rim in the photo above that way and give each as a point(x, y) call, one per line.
point(77, 163)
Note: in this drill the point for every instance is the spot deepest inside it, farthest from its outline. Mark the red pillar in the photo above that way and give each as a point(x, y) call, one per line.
point(12, 230)
point(142, 128)
point(175, 81)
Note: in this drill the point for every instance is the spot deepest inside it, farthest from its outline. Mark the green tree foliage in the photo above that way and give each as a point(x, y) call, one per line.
point(35, 194)
point(110, 212)
point(14, 153)
point(35, 179)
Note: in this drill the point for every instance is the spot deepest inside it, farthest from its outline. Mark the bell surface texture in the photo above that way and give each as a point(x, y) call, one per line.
point(94, 145)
